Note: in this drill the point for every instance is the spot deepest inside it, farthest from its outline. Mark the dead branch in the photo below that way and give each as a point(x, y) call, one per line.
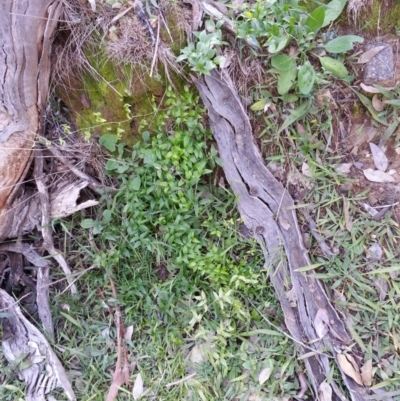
point(267, 209)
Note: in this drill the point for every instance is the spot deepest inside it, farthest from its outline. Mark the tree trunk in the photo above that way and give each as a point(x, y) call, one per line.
point(26, 33)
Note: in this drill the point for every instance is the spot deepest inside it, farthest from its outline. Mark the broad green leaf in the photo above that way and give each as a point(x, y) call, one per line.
point(315, 20)
point(109, 141)
point(385, 92)
point(135, 183)
point(278, 44)
point(112, 165)
point(282, 62)
point(394, 102)
point(310, 267)
point(88, 223)
point(342, 44)
point(333, 10)
point(388, 132)
point(335, 67)
point(286, 79)
point(368, 104)
point(295, 115)
point(385, 270)
point(306, 78)
point(257, 106)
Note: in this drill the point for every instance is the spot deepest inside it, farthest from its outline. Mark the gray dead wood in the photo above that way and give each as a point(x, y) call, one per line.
point(267, 210)
point(26, 35)
point(43, 372)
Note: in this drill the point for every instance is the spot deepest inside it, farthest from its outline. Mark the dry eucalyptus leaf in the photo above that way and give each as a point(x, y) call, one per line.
point(380, 160)
point(378, 104)
point(382, 287)
point(305, 169)
point(347, 216)
point(284, 223)
point(325, 392)
point(138, 388)
point(128, 333)
point(197, 354)
point(369, 88)
point(321, 322)
point(349, 367)
point(377, 176)
point(366, 373)
point(344, 168)
point(264, 375)
point(369, 54)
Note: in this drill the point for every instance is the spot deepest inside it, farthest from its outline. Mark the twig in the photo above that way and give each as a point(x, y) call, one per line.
point(46, 223)
point(156, 47)
point(318, 237)
point(303, 385)
point(121, 373)
point(188, 377)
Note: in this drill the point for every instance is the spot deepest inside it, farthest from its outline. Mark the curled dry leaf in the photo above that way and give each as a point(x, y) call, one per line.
point(349, 367)
point(325, 392)
point(366, 373)
point(380, 160)
point(369, 54)
point(138, 388)
point(377, 176)
point(378, 104)
point(321, 322)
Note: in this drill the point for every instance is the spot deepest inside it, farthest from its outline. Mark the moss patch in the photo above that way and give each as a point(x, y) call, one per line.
point(384, 17)
point(121, 95)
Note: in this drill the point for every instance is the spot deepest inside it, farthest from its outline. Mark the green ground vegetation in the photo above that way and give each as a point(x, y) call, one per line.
point(201, 316)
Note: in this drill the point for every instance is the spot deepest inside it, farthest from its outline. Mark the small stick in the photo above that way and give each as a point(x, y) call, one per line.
point(156, 47)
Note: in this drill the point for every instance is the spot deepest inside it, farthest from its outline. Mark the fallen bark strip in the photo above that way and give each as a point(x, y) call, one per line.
point(267, 209)
point(42, 371)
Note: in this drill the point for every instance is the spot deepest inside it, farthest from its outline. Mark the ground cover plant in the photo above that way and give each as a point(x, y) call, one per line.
point(173, 289)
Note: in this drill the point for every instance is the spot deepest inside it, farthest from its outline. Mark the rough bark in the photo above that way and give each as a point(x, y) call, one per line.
point(268, 211)
point(26, 32)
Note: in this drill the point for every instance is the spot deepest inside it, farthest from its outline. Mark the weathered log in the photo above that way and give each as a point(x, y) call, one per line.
point(268, 210)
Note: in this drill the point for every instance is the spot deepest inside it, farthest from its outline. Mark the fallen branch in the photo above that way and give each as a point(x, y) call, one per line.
point(267, 209)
